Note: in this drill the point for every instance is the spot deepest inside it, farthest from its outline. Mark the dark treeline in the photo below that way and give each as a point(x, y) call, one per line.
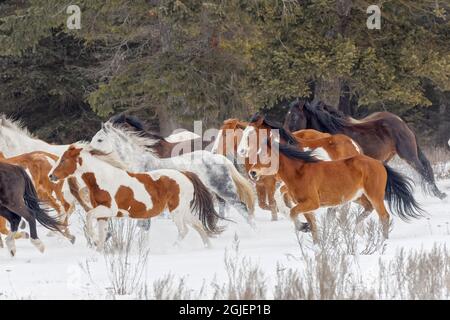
point(173, 61)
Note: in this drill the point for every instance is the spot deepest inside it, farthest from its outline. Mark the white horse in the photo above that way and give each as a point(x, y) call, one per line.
point(217, 172)
point(116, 192)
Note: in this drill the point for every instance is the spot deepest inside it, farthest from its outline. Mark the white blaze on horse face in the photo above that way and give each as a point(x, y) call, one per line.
point(244, 144)
point(101, 141)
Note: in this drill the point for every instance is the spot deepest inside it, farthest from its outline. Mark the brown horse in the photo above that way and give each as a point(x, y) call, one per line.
point(39, 164)
point(335, 147)
point(19, 199)
point(382, 135)
point(313, 183)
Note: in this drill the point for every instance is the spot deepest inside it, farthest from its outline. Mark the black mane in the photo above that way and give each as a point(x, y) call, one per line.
point(293, 152)
point(331, 121)
point(284, 134)
point(138, 125)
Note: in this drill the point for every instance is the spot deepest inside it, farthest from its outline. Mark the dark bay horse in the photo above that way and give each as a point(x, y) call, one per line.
point(381, 135)
point(18, 199)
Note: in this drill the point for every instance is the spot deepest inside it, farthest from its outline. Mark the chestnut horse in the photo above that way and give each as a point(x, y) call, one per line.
point(39, 164)
point(19, 199)
point(117, 192)
point(334, 147)
point(313, 183)
point(381, 135)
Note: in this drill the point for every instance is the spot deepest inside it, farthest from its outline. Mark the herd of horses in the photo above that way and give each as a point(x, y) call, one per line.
point(325, 159)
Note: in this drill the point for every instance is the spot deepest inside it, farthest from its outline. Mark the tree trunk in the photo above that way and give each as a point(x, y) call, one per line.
point(167, 123)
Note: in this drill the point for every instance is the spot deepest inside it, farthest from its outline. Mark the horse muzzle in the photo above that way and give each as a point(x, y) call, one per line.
point(53, 177)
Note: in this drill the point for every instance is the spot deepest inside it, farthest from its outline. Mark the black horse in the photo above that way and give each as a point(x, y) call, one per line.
point(381, 135)
point(18, 199)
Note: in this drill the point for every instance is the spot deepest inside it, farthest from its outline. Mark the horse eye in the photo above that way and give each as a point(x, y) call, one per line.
point(100, 140)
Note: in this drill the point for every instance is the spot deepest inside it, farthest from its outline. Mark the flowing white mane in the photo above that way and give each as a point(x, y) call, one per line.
point(131, 137)
point(15, 125)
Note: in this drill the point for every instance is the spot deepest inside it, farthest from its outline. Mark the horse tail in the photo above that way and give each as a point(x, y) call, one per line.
point(243, 187)
point(34, 205)
point(428, 182)
point(399, 196)
point(203, 204)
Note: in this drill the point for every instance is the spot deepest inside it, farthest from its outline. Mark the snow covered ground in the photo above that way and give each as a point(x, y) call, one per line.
point(57, 274)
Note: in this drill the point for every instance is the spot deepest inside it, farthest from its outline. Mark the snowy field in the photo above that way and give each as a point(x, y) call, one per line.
point(58, 273)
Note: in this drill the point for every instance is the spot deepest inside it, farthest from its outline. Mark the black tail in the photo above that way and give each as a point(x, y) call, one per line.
point(428, 182)
point(399, 195)
point(34, 205)
point(203, 204)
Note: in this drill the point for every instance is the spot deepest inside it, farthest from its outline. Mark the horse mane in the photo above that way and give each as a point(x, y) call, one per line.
point(131, 136)
point(136, 123)
point(293, 152)
point(331, 121)
point(239, 124)
point(16, 125)
point(284, 134)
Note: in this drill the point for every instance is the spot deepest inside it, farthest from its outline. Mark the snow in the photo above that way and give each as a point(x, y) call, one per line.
point(57, 274)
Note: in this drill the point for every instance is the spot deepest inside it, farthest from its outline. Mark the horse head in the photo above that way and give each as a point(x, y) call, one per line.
point(296, 118)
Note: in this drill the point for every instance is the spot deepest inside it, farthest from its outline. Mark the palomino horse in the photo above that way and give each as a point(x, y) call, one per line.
point(333, 146)
point(117, 192)
point(313, 183)
point(18, 200)
point(162, 147)
point(216, 171)
point(381, 135)
point(39, 164)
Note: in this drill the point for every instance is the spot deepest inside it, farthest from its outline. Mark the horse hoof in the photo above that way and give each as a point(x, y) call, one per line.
point(72, 239)
point(304, 227)
point(12, 252)
point(23, 225)
point(38, 244)
point(274, 218)
point(25, 235)
point(442, 196)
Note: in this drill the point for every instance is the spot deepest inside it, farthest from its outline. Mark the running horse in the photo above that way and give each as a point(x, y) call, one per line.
point(313, 183)
point(19, 199)
point(331, 146)
point(39, 164)
point(116, 192)
point(381, 135)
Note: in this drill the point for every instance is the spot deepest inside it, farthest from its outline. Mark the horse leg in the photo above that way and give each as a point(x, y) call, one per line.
point(101, 214)
point(261, 194)
point(270, 189)
point(417, 159)
point(307, 208)
point(14, 221)
point(197, 225)
point(180, 223)
point(367, 210)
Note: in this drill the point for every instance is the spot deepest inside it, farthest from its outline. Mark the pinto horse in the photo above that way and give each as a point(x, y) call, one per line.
point(18, 200)
point(115, 192)
point(39, 164)
point(313, 183)
point(381, 135)
point(333, 147)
